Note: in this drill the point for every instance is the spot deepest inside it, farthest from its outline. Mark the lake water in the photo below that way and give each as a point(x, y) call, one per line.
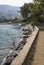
point(8, 34)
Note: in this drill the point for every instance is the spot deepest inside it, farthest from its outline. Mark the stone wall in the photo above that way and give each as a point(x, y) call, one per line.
point(19, 60)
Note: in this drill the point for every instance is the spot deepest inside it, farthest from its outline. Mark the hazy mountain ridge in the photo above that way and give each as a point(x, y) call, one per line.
point(9, 11)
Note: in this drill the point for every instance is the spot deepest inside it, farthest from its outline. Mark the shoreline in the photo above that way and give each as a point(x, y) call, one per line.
point(13, 53)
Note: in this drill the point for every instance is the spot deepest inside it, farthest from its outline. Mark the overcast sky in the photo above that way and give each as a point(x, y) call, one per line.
point(14, 2)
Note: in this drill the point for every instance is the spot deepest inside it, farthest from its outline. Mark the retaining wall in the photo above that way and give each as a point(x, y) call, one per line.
point(19, 60)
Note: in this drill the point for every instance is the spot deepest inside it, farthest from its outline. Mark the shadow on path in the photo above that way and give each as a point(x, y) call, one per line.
point(30, 55)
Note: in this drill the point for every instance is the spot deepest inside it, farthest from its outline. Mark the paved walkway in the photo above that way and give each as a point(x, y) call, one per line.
point(39, 52)
point(38, 56)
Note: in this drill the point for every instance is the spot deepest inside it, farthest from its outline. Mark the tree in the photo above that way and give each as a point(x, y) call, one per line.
point(25, 10)
point(38, 10)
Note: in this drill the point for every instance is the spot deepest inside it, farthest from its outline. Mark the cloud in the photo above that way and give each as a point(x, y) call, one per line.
point(15, 2)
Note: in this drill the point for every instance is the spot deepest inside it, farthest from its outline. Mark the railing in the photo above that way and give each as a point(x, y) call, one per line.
point(19, 60)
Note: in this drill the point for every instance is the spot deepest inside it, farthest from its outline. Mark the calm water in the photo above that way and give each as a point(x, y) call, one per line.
point(8, 34)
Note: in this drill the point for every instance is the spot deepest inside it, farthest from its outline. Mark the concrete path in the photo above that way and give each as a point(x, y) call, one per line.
point(39, 52)
point(36, 54)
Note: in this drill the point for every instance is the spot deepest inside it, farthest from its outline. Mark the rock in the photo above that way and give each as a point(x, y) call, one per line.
point(12, 52)
point(25, 29)
point(27, 32)
point(20, 46)
point(4, 61)
point(23, 41)
point(14, 46)
point(8, 59)
point(25, 36)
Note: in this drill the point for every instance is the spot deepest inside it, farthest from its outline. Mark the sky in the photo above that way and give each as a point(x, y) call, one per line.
point(14, 2)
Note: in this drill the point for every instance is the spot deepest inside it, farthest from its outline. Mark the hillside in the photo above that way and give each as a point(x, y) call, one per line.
point(9, 11)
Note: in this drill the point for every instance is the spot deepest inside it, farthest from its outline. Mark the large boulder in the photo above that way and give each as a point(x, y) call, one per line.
point(25, 28)
point(9, 58)
point(27, 32)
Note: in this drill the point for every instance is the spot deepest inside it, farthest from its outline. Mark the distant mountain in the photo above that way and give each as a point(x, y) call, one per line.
point(9, 11)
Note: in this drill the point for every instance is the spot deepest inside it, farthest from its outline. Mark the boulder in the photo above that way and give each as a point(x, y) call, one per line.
point(20, 46)
point(23, 41)
point(25, 36)
point(27, 32)
point(9, 58)
point(25, 29)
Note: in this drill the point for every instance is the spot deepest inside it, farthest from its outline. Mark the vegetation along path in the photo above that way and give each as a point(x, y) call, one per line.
point(38, 56)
